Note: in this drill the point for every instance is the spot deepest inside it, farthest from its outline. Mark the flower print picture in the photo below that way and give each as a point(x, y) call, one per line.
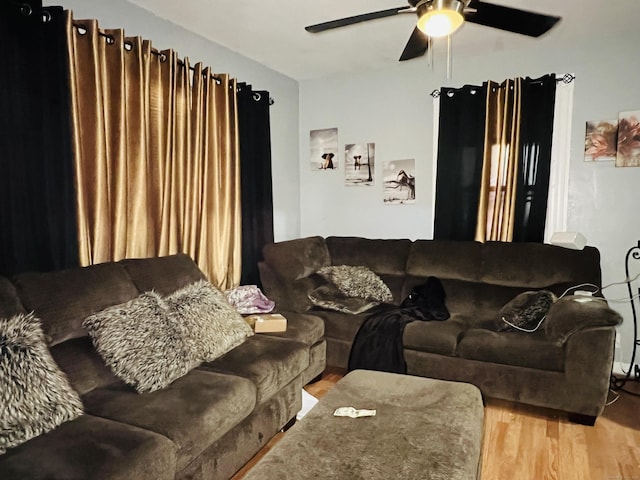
point(628, 139)
point(600, 141)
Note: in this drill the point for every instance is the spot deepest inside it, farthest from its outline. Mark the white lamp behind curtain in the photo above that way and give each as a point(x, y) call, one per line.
point(558, 198)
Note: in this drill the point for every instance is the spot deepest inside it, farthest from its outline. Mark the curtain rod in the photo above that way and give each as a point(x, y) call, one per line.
point(128, 45)
point(27, 10)
point(566, 79)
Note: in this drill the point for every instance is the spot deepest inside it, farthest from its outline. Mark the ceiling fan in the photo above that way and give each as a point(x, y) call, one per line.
point(438, 18)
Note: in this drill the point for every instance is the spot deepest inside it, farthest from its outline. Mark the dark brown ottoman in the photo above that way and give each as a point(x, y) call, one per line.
point(423, 429)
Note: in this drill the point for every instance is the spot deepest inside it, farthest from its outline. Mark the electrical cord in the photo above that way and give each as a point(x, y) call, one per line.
point(575, 287)
point(615, 382)
point(617, 397)
point(523, 329)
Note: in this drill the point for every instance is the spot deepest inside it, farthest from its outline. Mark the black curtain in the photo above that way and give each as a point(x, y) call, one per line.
point(536, 133)
point(255, 170)
point(37, 199)
point(459, 168)
point(460, 152)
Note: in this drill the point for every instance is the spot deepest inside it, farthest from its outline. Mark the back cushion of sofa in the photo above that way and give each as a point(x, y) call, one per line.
point(287, 269)
point(536, 265)
point(63, 299)
point(445, 260)
point(9, 302)
point(387, 258)
point(82, 364)
point(165, 275)
point(296, 259)
point(382, 256)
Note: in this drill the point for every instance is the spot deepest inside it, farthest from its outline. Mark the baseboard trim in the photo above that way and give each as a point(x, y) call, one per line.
point(620, 369)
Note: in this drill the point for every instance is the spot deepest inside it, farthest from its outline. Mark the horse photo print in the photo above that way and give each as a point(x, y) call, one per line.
point(399, 181)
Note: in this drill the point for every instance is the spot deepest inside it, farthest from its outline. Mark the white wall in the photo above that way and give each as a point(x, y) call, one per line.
point(393, 108)
point(284, 90)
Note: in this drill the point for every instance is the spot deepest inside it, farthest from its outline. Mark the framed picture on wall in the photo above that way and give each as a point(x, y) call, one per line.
point(600, 141)
point(628, 154)
point(323, 149)
point(399, 181)
point(359, 164)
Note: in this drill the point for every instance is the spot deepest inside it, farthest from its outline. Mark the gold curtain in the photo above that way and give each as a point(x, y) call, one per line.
point(156, 154)
point(496, 211)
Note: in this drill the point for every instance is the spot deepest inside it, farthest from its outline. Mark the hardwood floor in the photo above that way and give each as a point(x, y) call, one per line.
point(522, 442)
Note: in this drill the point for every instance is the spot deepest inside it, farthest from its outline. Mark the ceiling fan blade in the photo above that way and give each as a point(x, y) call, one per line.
point(343, 22)
point(416, 46)
point(509, 19)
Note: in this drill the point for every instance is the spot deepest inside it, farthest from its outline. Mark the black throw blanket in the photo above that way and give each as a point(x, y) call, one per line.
point(378, 343)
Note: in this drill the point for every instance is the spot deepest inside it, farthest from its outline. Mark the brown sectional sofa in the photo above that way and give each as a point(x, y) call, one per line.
point(565, 365)
point(206, 424)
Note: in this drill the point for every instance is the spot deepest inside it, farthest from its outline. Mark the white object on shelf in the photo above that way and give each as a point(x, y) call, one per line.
point(573, 240)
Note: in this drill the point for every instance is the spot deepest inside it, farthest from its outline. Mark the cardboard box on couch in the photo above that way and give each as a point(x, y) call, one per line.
point(267, 323)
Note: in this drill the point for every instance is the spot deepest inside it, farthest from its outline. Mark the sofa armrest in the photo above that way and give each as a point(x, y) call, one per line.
point(588, 363)
point(574, 313)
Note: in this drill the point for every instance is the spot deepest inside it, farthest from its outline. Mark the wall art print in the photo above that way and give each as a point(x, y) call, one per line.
point(359, 164)
point(323, 149)
point(628, 154)
point(600, 141)
point(399, 181)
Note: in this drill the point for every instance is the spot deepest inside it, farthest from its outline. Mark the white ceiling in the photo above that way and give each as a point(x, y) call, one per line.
point(273, 34)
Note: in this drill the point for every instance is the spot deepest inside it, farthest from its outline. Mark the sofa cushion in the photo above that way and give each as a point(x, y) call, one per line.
point(296, 259)
point(95, 448)
point(83, 365)
point(435, 337)
point(193, 412)
point(165, 275)
point(503, 265)
point(269, 362)
point(573, 313)
point(519, 349)
point(526, 311)
point(341, 325)
point(210, 325)
point(9, 301)
point(63, 299)
point(445, 260)
point(383, 256)
point(141, 343)
point(35, 396)
point(331, 298)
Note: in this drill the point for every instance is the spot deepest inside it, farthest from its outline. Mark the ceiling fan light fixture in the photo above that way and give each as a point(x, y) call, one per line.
point(439, 18)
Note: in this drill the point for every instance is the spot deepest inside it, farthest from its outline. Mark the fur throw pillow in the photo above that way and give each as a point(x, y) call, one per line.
point(212, 325)
point(141, 342)
point(329, 297)
point(526, 311)
point(35, 395)
point(357, 281)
